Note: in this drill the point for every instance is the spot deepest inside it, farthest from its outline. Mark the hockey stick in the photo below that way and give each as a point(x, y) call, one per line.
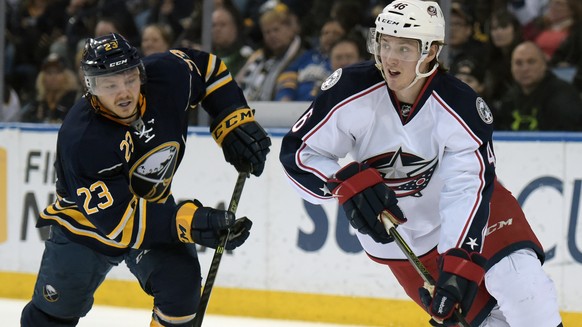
point(429, 281)
point(205, 297)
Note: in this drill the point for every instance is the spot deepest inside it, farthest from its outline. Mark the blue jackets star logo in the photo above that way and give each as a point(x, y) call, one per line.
point(405, 173)
point(472, 243)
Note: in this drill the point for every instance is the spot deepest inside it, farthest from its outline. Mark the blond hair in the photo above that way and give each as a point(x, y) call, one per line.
point(71, 83)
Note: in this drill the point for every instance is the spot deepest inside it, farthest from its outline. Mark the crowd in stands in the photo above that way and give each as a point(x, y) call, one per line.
point(523, 56)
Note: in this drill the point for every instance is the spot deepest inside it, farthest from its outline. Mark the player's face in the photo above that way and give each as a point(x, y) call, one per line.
point(119, 93)
point(399, 57)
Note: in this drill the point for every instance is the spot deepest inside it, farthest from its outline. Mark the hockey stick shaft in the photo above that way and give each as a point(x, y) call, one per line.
point(414, 260)
point(213, 271)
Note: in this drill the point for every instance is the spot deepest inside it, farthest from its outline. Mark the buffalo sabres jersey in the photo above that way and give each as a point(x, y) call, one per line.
point(436, 154)
point(114, 179)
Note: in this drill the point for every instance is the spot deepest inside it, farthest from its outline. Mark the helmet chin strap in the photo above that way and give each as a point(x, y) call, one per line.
point(420, 75)
point(102, 110)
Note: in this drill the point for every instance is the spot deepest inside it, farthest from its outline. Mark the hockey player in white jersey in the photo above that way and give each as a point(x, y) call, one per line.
point(421, 141)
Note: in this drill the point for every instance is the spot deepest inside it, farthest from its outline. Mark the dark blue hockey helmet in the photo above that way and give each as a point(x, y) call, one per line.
point(107, 55)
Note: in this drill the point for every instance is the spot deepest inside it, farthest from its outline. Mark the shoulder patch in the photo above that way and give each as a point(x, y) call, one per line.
point(484, 111)
point(331, 80)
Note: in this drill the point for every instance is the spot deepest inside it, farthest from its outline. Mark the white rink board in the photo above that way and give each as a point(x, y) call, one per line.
point(292, 248)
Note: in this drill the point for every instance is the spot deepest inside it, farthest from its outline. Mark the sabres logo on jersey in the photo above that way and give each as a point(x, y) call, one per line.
point(152, 174)
point(50, 293)
point(405, 173)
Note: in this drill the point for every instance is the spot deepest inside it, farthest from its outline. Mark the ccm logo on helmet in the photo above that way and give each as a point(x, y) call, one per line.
point(118, 63)
point(389, 21)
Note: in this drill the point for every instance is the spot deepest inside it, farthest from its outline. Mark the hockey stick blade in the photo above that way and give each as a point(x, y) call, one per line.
point(213, 271)
point(429, 281)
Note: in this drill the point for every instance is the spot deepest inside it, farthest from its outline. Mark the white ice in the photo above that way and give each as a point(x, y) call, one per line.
point(101, 316)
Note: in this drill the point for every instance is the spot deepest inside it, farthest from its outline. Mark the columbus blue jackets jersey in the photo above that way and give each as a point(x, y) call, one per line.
point(114, 179)
point(436, 154)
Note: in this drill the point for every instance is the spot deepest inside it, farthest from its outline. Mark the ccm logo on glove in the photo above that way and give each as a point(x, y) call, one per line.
point(230, 122)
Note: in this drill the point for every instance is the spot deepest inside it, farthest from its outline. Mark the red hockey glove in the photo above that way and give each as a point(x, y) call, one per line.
point(363, 195)
point(459, 279)
point(244, 142)
point(204, 225)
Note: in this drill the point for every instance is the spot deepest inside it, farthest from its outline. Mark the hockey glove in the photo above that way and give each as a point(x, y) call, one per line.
point(364, 196)
point(457, 285)
point(244, 142)
point(204, 225)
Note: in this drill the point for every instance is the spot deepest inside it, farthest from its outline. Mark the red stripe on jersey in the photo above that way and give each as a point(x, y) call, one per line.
point(341, 104)
point(456, 116)
point(303, 166)
point(479, 197)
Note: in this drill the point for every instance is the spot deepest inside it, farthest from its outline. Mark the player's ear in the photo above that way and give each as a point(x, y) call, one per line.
point(432, 52)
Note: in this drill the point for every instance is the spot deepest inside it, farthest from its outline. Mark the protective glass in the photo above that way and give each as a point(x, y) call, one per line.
point(112, 84)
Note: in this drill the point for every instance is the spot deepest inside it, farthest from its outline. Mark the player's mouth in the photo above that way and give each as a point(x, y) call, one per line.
point(125, 104)
point(393, 73)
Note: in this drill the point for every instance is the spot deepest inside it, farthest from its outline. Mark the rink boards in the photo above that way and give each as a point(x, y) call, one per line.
point(300, 262)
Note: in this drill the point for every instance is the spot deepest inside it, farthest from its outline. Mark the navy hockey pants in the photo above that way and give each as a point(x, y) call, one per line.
point(70, 273)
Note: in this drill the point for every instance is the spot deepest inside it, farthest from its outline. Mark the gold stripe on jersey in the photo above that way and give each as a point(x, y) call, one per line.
point(172, 319)
point(71, 218)
point(218, 84)
point(221, 68)
point(127, 216)
point(142, 205)
point(62, 220)
point(210, 67)
point(72, 212)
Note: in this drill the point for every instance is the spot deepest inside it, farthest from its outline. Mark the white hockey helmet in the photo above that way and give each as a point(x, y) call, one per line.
point(412, 19)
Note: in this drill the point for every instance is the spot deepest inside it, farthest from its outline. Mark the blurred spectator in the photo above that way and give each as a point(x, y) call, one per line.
point(282, 44)
point(350, 14)
point(175, 13)
point(57, 88)
point(471, 72)
point(228, 38)
point(83, 16)
point(347, 51)
point(539, 101)
point(156, 38)
point(504, 36)
point(526, 10)
point(11, 107)
point(549, 30)
point(33, 27)
point(461, 42)
point(567, 60)
point(302, 79)
point(105, 26)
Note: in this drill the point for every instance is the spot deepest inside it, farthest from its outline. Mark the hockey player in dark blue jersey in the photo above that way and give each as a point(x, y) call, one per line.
point(117, 152)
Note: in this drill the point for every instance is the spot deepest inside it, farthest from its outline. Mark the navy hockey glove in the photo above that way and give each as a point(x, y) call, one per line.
point(363, 195)
point(459, 278)
point(244, 142)
point(204, 225)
